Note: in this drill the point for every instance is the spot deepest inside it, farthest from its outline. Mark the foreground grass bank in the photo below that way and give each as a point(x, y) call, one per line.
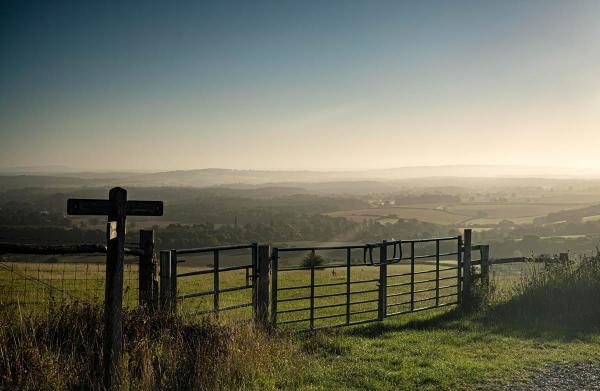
point(436, 351)
point(550, 316)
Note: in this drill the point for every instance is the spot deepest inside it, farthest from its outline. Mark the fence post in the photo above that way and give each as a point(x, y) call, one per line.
point(262, 291)
point(274, 266)
point(485, 266)
point(147, 270)
point(165, 280)
point(173, 296)
point(382, 280)
point(563, 257)
point(467, 280)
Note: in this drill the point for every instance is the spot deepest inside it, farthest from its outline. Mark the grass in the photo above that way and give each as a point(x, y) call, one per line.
point(62, 349)
point(548, 314)
point(32, 285)
point(436, 350)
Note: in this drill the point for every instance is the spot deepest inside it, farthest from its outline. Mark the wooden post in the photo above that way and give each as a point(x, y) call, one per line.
point(262, 295)
point(563, 257)
point(467, 280)
point(459, 251)
point(147, 270)
point(437, 272)
point(173, 291)
point(116, 208)
point(113, 326)
point(254, 278)
point(274, 266)
point(382, 281)
point(165, 280)
point(485, 266)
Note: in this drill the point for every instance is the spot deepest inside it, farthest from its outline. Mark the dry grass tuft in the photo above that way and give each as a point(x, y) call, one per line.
point(62, 349)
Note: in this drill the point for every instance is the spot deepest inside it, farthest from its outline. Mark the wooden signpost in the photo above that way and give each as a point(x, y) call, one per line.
point(116, 208)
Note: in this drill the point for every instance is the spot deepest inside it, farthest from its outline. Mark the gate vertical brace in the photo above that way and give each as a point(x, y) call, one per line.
point(312, 290)
point(467, 280)
point(382, 310)
point(412, 275)
point(174, 280)
point(165, 280)
point(348, 282)
point(274, 262)
point(262, 287)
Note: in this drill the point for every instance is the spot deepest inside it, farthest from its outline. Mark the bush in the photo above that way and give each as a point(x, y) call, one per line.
point(62, 349)
point(313, 260)
point(560, 295)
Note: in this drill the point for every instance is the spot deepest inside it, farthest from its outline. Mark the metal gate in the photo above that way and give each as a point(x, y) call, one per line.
point(422, 274)
point(329, 286)
point(229, 271)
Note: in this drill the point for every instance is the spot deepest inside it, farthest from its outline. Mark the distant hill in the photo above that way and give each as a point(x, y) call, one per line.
point(355, 182)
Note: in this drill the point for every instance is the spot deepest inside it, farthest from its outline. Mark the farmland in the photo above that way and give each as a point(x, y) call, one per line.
point(475, 213)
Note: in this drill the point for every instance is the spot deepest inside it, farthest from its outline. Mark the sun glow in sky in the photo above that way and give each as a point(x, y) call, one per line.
point(299, 85)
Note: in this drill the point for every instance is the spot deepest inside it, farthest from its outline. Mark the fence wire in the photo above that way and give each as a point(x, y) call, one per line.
point(34, 284)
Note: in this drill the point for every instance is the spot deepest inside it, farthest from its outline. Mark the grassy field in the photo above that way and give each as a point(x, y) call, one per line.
point(436, 349)
point(505, 342)
point(482, 213)
point(32, 285)
point(427, 214)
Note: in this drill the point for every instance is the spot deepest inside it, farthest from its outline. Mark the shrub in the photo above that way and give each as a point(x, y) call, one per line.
point(313, 260)
point(562, 295)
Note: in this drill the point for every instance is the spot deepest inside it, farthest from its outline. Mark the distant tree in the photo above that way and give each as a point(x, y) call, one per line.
point(313, 260)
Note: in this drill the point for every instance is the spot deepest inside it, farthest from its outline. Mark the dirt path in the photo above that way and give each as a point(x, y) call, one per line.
point(563, 377)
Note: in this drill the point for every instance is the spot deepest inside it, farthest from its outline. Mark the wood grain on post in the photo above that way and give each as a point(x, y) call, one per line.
point(113, 326)
point(467, 278)
point(165, 280)
point(262, 291)
point(274, 266)
point(173, 289)
point(147, 270)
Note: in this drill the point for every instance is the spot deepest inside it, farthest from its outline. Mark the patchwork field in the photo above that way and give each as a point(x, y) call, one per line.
point(477, 213)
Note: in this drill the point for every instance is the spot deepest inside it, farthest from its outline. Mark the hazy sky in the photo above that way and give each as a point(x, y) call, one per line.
point(299, 84)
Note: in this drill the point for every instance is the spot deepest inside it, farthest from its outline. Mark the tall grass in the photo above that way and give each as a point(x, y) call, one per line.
point(62, 349)
point(555, 295)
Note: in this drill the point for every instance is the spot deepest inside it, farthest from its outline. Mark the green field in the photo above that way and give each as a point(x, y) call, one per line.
point(32, 285)
point(474, 213)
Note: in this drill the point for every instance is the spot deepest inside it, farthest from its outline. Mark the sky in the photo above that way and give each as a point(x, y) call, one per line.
point(325, 85)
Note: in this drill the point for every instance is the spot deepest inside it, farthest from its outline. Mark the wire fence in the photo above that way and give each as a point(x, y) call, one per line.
point(33, 284)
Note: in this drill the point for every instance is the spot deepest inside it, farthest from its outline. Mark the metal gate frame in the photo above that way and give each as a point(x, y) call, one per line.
point(382, 301)
point(170, 260)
